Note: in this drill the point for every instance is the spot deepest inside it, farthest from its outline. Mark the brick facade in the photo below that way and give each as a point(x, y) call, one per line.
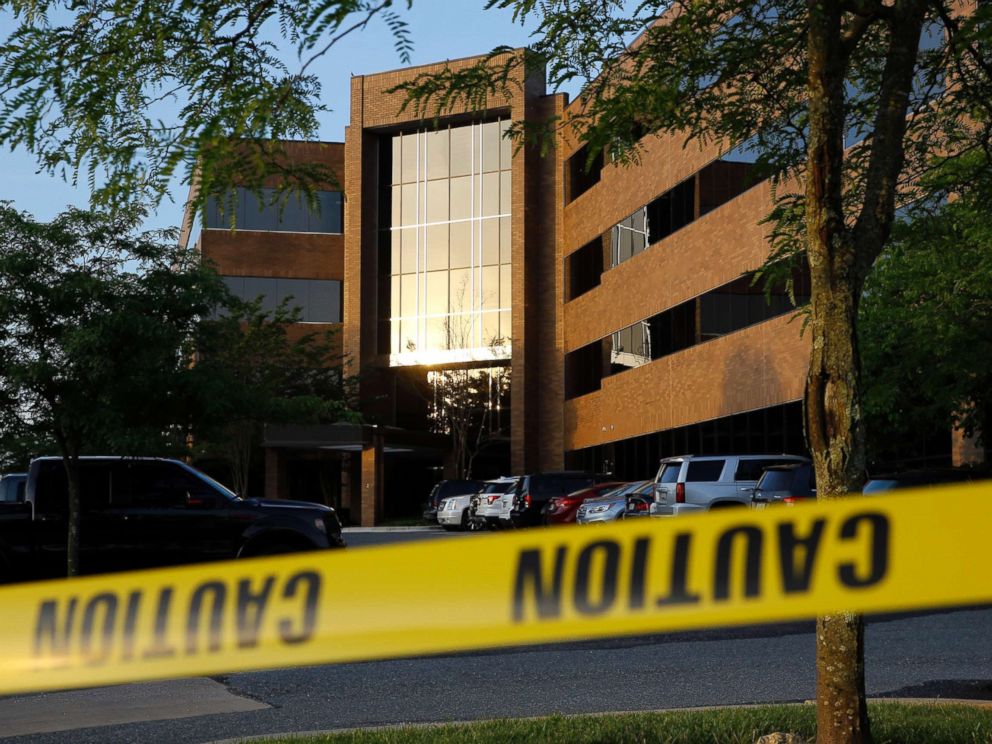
point(760, 366)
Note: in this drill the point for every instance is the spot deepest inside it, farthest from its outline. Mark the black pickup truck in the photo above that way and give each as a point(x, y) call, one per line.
point(145, 512)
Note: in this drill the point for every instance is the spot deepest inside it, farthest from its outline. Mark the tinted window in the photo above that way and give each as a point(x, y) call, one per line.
point(319, 300)
point(751, 470)
point(12, 489)
point(458, 488)
point(293, 213)
point(722, 310)
point(155, 485)
point(704, 470)
point(546, 485)
point(52, 494)
point(873, 486)
point(777, 480)
point(575, 483)
point(496, 488)
point(670, 473)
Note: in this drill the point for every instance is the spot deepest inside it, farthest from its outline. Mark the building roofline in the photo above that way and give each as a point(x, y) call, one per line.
point(431, 64)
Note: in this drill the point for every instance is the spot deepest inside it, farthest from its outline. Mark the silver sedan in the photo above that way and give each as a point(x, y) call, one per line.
point(613, 505)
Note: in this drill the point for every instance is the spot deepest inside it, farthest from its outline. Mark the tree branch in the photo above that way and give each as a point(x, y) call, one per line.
point(871, 230)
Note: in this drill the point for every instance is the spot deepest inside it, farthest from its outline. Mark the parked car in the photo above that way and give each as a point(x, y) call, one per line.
point(537, 490)
point(443, 490)
point(12, 488)
point(453, 512)
point(639, 506)
point(145, 512)
point(785, 484)
point(923, 478)
point(562, 509)
point(696, 483)
point(504, 517)
point(613, 505)
point(489, 505)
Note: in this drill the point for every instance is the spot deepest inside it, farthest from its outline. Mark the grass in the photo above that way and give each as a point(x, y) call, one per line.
point(891, 723)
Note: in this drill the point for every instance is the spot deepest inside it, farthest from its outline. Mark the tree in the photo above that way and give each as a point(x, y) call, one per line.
point(127, 96)
point(466, 399)
point(466, 405)
point(926, 316)
point(94, 321)
point(250, 371)
point(849, 103)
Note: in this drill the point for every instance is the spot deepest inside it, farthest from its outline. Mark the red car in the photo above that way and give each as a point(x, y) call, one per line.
point(562, 509)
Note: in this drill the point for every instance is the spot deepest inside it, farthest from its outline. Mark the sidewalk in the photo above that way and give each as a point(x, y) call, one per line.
point(50, 712)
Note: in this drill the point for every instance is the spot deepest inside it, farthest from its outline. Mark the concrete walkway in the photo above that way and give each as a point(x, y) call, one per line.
point(108, 706)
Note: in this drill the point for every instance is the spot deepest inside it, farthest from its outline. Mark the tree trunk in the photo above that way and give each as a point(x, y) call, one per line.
point(71, 464)
point(241, 441)
point(832, 403)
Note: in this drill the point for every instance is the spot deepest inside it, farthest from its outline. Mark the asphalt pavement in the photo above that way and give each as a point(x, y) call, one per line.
point(943, 654)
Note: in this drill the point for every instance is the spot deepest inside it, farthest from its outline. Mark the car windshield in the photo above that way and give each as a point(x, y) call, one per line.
point(211, 482)
point(496, 488)
point(631, 489)
point(881, 484)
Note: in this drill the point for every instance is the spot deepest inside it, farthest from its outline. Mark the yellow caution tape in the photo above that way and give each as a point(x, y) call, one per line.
point(884, 553)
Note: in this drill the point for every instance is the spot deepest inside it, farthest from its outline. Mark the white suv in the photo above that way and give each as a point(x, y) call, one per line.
point(692, 484)
point(495, 502)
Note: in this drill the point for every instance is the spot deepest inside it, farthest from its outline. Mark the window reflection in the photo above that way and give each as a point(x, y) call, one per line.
point(268, 210)
point(722, 310)
point(318, 300)
point(448, 253)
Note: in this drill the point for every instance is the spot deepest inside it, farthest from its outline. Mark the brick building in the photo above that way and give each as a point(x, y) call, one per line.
point(618, 298)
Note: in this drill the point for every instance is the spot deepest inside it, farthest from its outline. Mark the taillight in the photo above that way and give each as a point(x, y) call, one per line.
point(790, 500)
point(680, 493)
point(527, 501)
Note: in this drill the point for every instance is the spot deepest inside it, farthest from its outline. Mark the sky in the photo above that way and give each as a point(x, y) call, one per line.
point(441, 29)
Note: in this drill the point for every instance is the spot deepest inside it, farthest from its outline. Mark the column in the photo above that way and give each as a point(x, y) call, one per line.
point(372, 475)
point(275, 474)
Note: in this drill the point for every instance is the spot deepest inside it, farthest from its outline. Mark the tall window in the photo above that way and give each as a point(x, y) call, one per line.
point(445, 244)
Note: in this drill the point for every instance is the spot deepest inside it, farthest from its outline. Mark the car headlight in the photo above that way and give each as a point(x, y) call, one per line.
point(599, 509)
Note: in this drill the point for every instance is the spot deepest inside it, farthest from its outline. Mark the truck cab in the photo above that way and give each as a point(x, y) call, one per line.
point(147, 512)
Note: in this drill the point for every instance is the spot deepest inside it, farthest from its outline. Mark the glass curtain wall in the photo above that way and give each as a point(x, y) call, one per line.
point(446, 242)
